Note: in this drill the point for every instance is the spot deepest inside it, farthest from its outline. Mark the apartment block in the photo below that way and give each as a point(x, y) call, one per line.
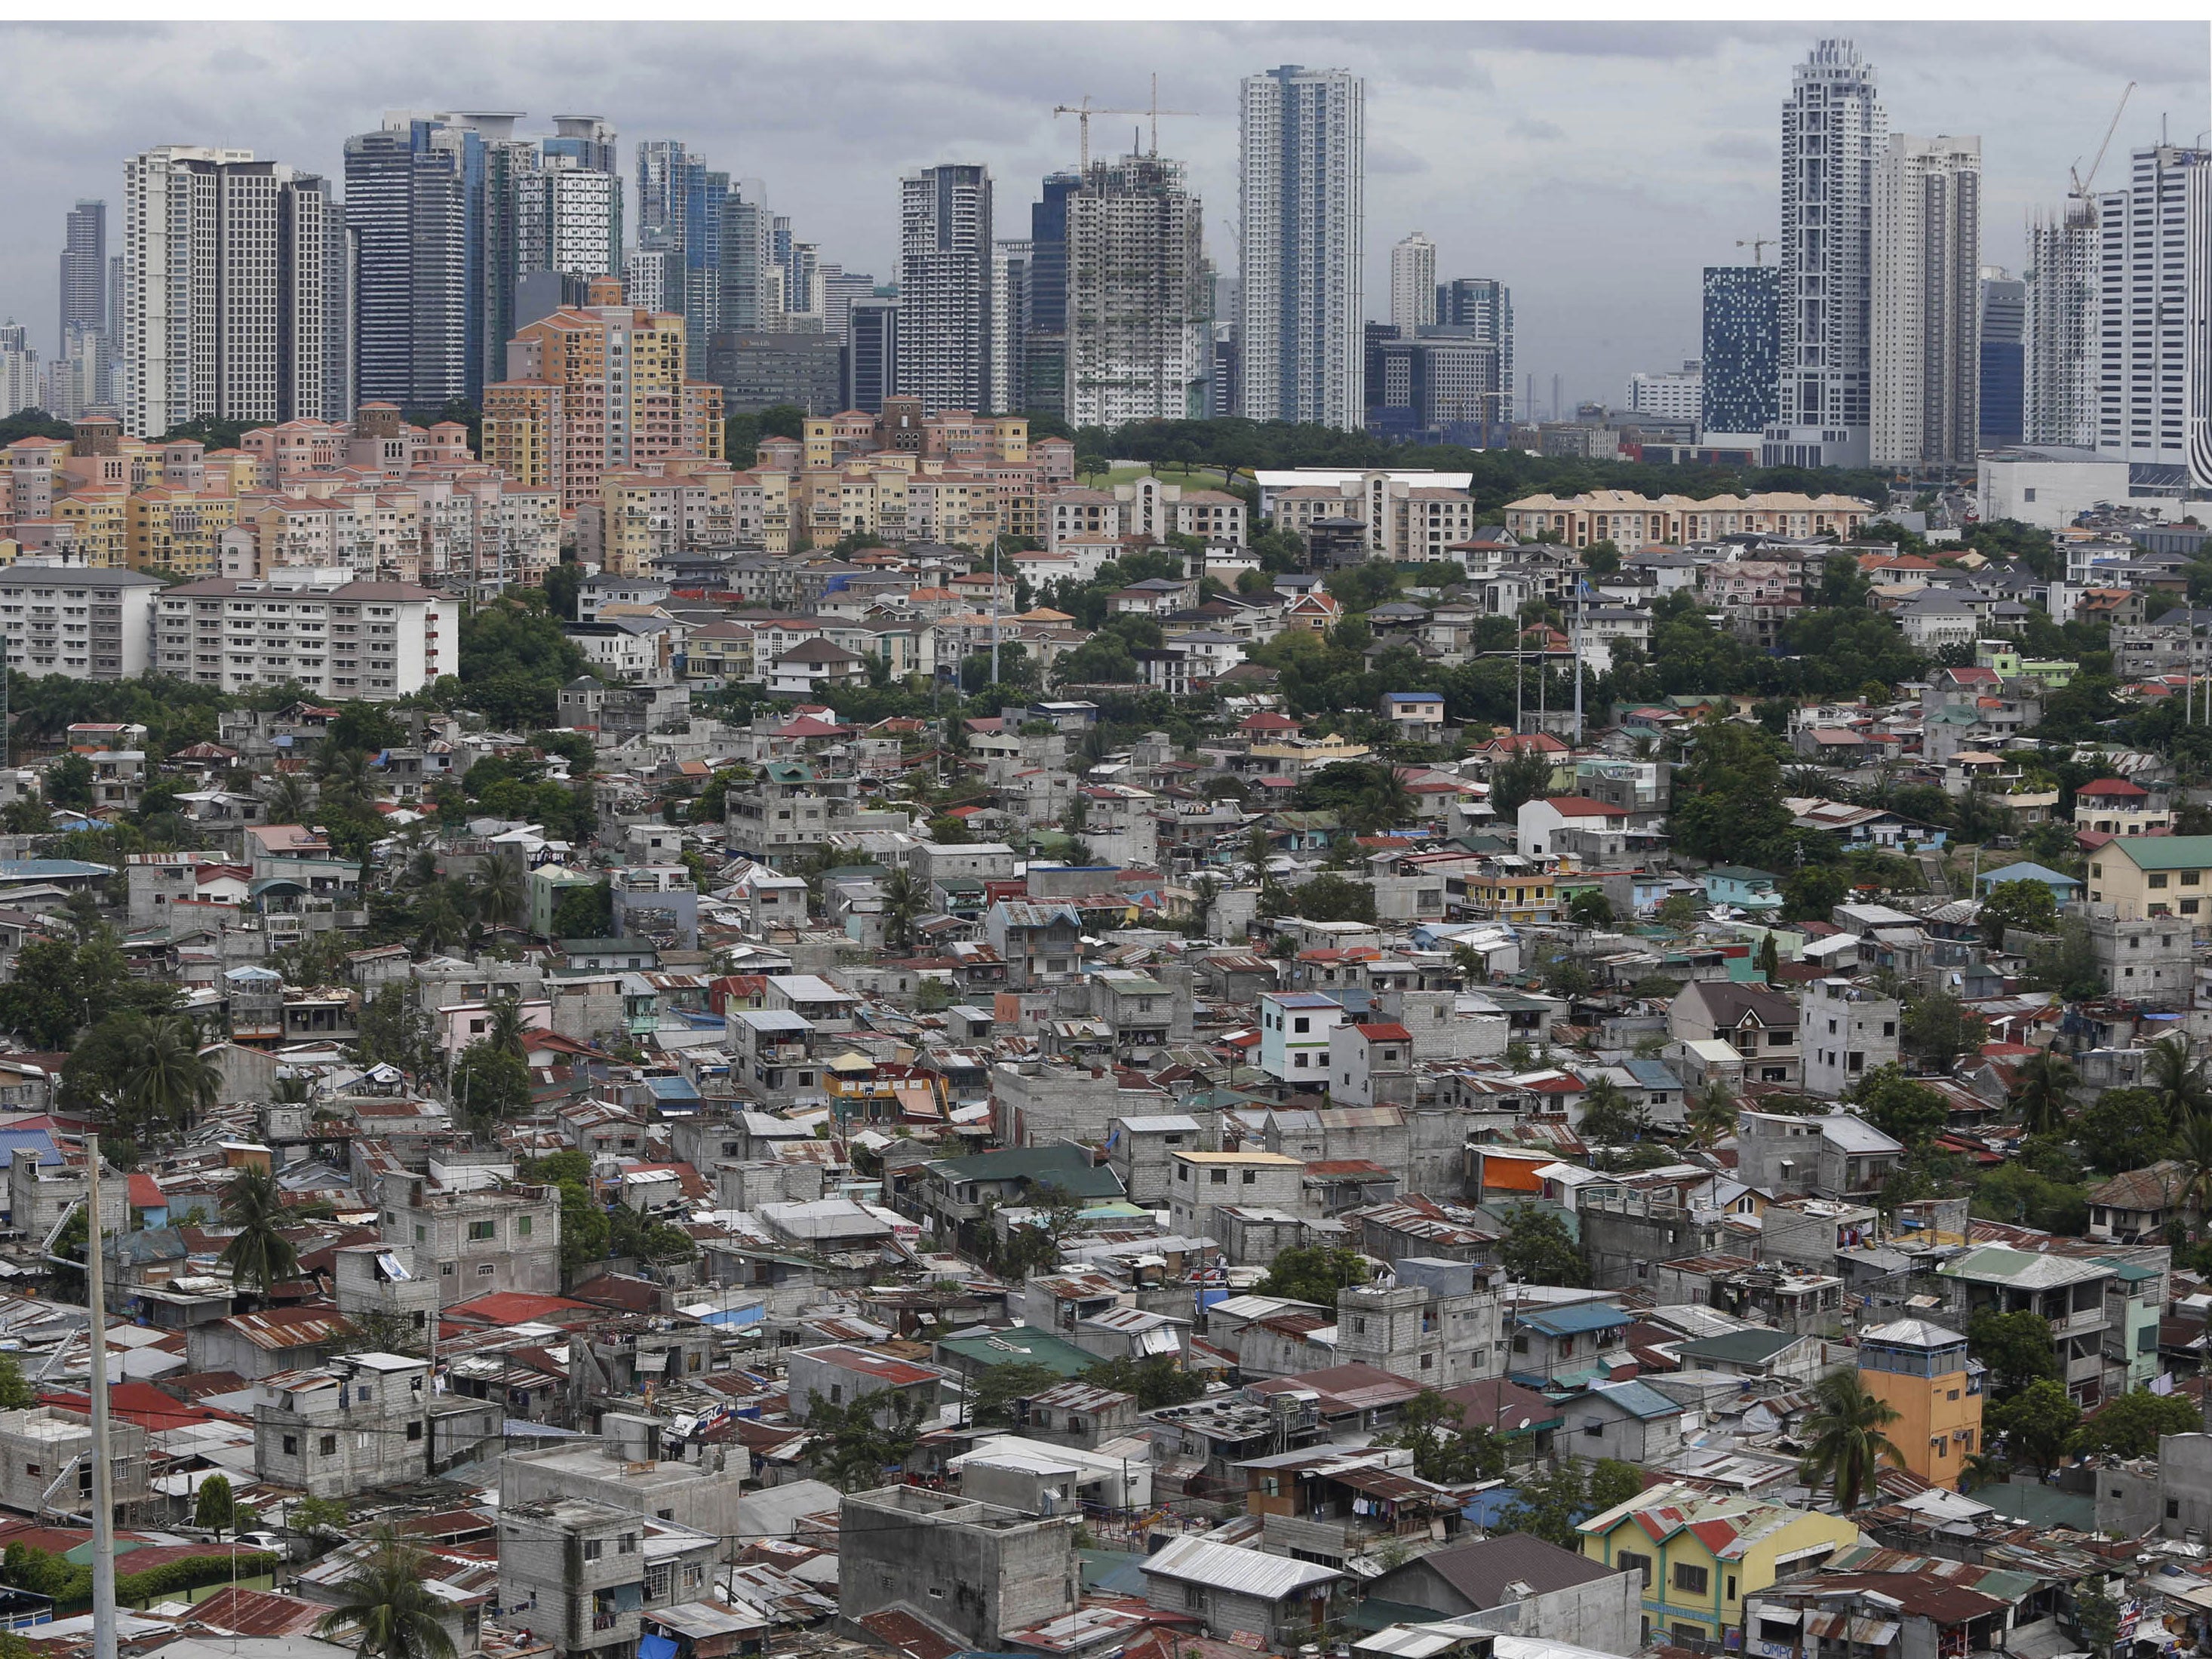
point(89, 624)
point(367, 640)
point(503, 1235)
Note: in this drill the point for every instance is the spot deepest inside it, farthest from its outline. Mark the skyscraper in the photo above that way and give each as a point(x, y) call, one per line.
point(945, 288)
point(1925, 353)
point(2148, 233)
point(2197, 339)
point(233, 301)
point(1302, 161)
point(1010, 314)
point(1741, 352)
point(1413, 283)
point(750, 293)
point(2004, 332)
point(406, 203)
point(1833, 133)
point(1484, 305)
point(2060, 375)
point(1044, 351)
point(871, 348)
point(680, 213)
point(1138, 339)
point(84, 270)
point(839, 289)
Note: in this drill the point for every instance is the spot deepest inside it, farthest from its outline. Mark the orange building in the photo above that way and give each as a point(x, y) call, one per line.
point(1921, 1371)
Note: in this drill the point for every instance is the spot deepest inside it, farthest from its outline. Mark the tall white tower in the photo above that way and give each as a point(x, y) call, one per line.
point(2146, 233)
point(1302, 161)
point(1413, 283)
point(1833, 132)
point(1138, 344)
point(1926, 347)
point(944, 287)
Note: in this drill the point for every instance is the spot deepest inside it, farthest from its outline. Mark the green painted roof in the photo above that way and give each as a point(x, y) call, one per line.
point(1019, 1345)
point(1738, 1347)
point(1068, 1168)
point(2163, 851)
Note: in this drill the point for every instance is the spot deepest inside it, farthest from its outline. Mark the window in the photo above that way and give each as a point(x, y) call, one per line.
point(1691, 1580)
point(1193, 1598)
point(593, 1548)
point(483, 1230)
point(1630, 1561)
point(522, 1226)
point(2158, 878)
point(1220, 1177)
point(415, 1430)
point(327, 1446)
point(626, 1544)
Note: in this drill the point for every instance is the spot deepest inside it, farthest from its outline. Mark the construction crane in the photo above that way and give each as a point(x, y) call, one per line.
point(2081, 184)
point(1085, 111)
point(1758, 244)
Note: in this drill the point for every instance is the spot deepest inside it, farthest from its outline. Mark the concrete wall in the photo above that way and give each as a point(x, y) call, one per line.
point(977, 1570)
point(701, 1495)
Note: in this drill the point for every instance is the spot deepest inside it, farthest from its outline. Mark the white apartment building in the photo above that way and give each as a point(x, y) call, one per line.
point(86, 623)
point(350, 640)
point(944, 287)
point(1413, 283)
point(1926, 350)
point(1138, 346)
point(1848, 1030)
point(571, 218)
point(1144, 507)
point(235, 291)
point(2147, 234)
point(1833, 132)
point(1676, 394)
point(2061, 367)
point(1301, 160)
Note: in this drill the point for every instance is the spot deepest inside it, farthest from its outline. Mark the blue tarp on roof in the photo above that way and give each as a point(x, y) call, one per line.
point(1574, 1320)
point(38, 1141)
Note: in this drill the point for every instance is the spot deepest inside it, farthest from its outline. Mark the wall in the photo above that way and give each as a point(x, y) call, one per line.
point(974, 1569)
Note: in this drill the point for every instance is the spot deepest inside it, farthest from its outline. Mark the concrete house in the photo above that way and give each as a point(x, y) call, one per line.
point(1285, 1603)
point(1629, 1420)
point(581, 1575)
point(1519, 1584)
point(502, 1235)
point(1294, 1035)
point(1760, 1023)
point(1849, 1029)
point(840, 1374)
point(1139, 1150)
point(45, 1460)
point(1578, 1343)
point(1207, 1182)
point(364, 1420)
point(1838, 1157)
point(970, 1570)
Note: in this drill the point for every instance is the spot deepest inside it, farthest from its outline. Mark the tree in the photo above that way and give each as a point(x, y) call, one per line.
point(562, 584)
point(1539, 1250)
point(1154, 1382)
point(2130, 1426)
point(1845, 1439)
point(905, 901)
point(500, 896)
point(2096, 1620)
point(2177, 1080)
point(1331, 897)
point(1811, 891)
point(2124, 1129)
point(1313, 1274)
point(258, 1254)
point(1445, 1449)
point(2027, 905)
point(1547, 1505)
point(169, 1081)
point(1938, 1028)
point(1712, 1112)
point(386, 1605)
point(1728, 797)
point(490, 1085)
point(16, 1394)
point(857, 1446)
point(991, 1401)
point(2015, 1347)
point(1525, 776)
point(585, 912)
point(1590, 908)
point(2043, 1092)
point(213, 1507)
point(2038, 1423)
point(68, 783)
point(1769, 960)
point(1608, 1115)
point(1905, 1110)
point(1612, 1482)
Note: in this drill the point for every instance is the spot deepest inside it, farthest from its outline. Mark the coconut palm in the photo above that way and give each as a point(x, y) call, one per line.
point(2177, 1080)
point(439, 922)
point(1383, 803)
point(1712, 1113)
point(905, 903)
point(291, 800)
point(387, 1610)
point(168, 1080)
point(2043, 1093)
point(1847, 1438)
point(2194, 1148)
point(258, 1254)
point(498, 895)
point(345, 777)
point(1608, 1115)
point(505, 1030)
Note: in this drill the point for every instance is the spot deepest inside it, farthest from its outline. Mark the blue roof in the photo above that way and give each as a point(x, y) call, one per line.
point(38, 1141)
point(1412, 696)
point(2026, 871)
point(1636, 1399)
point(1301, 1000)
point(1574, 1319)
point(1652, 1073)
point(675, 1088)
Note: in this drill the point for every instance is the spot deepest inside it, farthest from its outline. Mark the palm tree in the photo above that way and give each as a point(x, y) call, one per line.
point(1712, 1113)
point(1845, 1432)
point(438, 920)
point(2195, 1148)
point(345, 775)
point(1607, 1113)
point(291, 800)
point(1383, 803)
point(499, 895)
point(168, 1079)
point(905, 901)
point(2043, 1092)
point(259, 1255)
point(388, 1611)
point(2177, 1080)
point(506, 1027)
point(1258, 850)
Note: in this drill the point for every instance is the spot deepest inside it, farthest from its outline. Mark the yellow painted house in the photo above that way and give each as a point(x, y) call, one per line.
point(1701, 1553)
point(1921, 1371)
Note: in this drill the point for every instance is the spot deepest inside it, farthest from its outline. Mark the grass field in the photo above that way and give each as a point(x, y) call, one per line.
point(1207, 477)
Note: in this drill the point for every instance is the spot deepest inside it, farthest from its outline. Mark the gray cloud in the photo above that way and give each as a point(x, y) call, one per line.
point(1595, 167)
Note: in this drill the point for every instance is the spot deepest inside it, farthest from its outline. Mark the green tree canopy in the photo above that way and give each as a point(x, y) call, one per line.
point(1539, 1250)
point(2015, 1347)
point(1313, 1274)
point(2130, 1426)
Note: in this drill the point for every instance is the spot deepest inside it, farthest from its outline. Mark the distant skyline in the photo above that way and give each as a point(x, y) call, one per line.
point(1595, 167)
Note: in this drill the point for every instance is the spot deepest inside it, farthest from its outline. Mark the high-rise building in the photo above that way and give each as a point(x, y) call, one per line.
point(84, 270)
point(1010, 321)
point(2004, 336)
point(1044, 351)
point(1413, 283)
point(751, 279)
point(680, 203)
point(644, 279)
point(945, 288)
point(407, 206)
point(1741, 344)
point(1833, 133)
point(78, 382)
point(2147, 231)
point(1679, 394)
point(21, 384)
point(1440, 385)
point(235, 290)
point(1302, 210)
point(1925, 352)
point(596, 388)
point(571, 219)
point(1484, 305)
point(2060, 373)
point(839, 289)
point(2196, 340)
point(872, 351)
point(1138, 336)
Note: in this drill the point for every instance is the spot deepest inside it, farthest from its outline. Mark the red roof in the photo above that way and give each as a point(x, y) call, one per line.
point(1390, 1032)
point(2112, 787)
point(1582, 806)
point(1267, 721)
point(146, 1192)
point(516, 1308)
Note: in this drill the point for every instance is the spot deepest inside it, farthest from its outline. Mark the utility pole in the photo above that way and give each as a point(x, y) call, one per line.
point(994, 608)
point(1582, 592)
point(103, 1476)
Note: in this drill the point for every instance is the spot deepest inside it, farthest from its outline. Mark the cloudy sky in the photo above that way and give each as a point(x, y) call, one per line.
point(1594, 166)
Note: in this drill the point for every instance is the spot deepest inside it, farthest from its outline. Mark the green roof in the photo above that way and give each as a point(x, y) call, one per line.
point(2163, 851)
point(1068, 1168)
point(1738, 1347)
point(1739, 872)
point(1019, 1345)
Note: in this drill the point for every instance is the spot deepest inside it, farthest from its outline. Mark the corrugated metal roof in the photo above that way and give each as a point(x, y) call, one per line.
point(1243, 1572)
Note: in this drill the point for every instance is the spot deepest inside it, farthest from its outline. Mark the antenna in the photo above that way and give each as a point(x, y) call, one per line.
point(1758, 244)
